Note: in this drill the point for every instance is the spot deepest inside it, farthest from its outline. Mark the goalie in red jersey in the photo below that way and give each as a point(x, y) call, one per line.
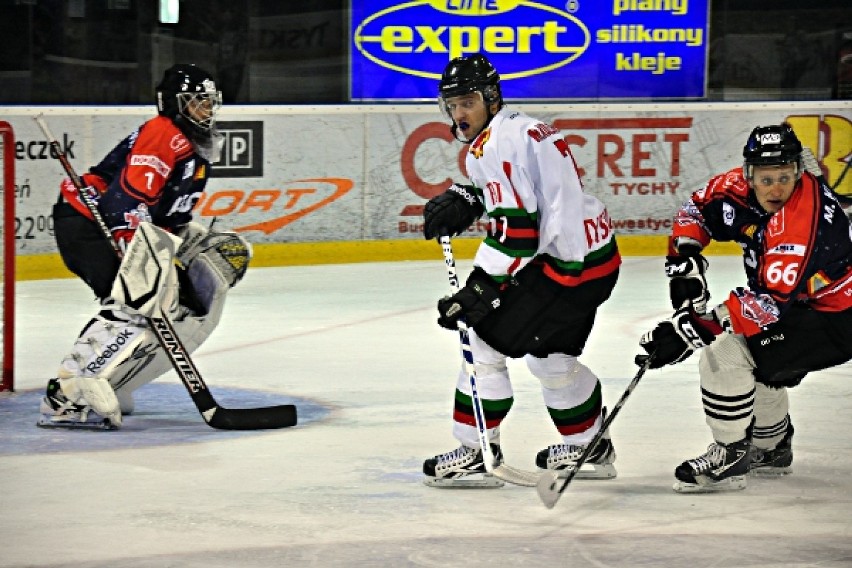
point(793, 316)
point(144, 189)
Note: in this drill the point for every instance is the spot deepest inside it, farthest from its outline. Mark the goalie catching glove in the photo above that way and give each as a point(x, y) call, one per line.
point(451, 212)
point(479, 297)
point(675, 339)
point(686, 278)
point(229, 252)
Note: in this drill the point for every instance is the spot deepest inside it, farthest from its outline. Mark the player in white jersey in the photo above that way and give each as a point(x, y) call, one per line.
point(549, 260)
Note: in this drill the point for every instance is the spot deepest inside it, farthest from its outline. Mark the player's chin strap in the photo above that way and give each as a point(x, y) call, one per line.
point(548, 487)
point(148, 303)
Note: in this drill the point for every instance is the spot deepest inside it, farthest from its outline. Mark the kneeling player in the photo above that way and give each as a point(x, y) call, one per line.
point(144, 190)
point(116, 352)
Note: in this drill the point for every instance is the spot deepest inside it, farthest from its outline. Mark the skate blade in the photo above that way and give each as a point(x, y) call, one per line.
point(770, 471)
point(596, 471)
point(106, 424)
point(486, 481)
point(705, 485)
point(588, 471)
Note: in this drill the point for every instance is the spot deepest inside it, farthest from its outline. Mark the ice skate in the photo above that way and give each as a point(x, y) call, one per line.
point(461, 468)
point(776, 461)
point(722, 468)
point(599, 464)
point(59, 412)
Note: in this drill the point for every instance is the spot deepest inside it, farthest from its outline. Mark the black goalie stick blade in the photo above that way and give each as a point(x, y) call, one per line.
point(266, 418)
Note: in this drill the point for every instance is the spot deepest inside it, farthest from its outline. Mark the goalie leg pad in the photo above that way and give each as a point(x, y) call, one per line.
point(94, 392)
point(147, 360)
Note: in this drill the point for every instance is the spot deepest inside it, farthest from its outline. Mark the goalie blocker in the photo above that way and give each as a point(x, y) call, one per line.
point(117, 347)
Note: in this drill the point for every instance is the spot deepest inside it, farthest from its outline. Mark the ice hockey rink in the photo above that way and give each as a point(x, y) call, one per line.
point(357, 349)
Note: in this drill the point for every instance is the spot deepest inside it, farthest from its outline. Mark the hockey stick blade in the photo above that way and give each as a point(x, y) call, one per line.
point(266, 418)
point(548, 487)
point(516, 476)
point(271, 417)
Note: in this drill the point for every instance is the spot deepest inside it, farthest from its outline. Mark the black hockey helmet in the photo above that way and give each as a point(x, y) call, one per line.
point(771, 146)
point(183, 85)
point(465, 75)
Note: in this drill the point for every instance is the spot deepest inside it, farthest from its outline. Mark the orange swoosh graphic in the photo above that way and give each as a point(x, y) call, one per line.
point(343, 186)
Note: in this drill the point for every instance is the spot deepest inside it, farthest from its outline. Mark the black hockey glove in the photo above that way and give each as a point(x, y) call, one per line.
point(479, 297)
point(686, 279)
point(451, 212)
point(676, 338)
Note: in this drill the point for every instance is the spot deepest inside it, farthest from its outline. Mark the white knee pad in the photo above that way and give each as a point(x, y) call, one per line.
point(556, 371)
point(492, 383)
point(726, 371)
point(566, 383)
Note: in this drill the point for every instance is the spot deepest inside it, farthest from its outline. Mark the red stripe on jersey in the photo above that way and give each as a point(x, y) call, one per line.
point(507, 169)
point(599, 271)
point(521, 233)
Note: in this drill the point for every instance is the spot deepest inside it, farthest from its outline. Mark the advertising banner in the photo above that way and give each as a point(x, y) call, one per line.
point(544, 50)
point(361, 173)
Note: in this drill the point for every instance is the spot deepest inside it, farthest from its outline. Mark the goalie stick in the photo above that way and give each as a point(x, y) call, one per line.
point(547, 484)
point(215, 415)
point(502, 471)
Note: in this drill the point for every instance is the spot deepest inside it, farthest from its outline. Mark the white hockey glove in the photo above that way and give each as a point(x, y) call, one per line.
point(686, 279)
point(675, 339)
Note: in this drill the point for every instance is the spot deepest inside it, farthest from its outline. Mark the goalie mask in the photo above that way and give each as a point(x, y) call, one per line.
point(187, 94)
point(772, 146)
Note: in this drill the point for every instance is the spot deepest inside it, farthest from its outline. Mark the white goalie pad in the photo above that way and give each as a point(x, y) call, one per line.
point(95, 392)
point(146, 282)
point(120, 347)
point(117, 345)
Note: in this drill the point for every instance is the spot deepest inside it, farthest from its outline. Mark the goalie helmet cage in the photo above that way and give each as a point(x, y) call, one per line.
point(7, 265)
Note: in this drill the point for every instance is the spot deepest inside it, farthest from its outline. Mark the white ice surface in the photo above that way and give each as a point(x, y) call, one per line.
point(346, 490)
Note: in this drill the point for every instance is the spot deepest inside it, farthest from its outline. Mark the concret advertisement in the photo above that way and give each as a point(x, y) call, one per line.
point(361, 173)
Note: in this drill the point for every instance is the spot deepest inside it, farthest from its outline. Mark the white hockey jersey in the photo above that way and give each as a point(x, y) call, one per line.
point(524, 173)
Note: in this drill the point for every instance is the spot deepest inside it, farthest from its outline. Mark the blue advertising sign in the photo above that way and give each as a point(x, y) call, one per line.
point(543, 50)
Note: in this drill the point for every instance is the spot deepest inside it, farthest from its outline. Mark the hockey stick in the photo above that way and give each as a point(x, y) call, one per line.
point(216, 416)
point(502, 471)
point(547, 484)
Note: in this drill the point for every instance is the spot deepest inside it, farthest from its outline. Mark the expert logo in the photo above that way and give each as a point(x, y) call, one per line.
point(533, 37)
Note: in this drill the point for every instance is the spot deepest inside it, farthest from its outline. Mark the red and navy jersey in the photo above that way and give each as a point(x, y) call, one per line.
point(153, 175)
point(802, 253)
